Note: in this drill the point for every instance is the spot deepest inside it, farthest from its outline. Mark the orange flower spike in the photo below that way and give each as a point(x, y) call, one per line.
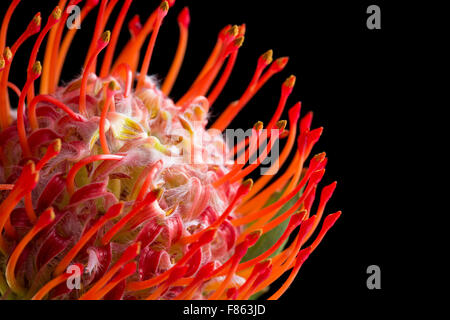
point(53, 150)
point(235, 107)
point(312, 176)
point(5, 23)
point(125, 67)
point(24, 184)
point(68, 38)
point(107, 60)
point(148, 180)
point(70, 180)
point(177, 273)
point(33, 74)
point(56, 281)
point(112, 213)
point(110, 90)
point(250, 239)
point(276, 66)
point(151, 197)
point(33, 27)
point(56, 43)
point(44, 220)
point(205, 238)
point(244, 188)
point(161, 13)
point(325, 196)
point(302, 256)
point(101, 44)
point(93, 47)
point(53, 19)
point(244, 157)
point(239, 253)
point(204, 273)
point(259, 268)
point(47, 98)
point(263, 275)
point(183, 23)
point(128, 270)
point(294, 221)
point(129, 254)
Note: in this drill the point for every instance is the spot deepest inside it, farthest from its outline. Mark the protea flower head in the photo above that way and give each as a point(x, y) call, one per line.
point(104, 182)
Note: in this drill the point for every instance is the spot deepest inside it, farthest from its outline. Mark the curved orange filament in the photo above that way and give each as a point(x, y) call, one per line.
point(33, 74)
point(125, 67)
point(109, 53)
point(242, 159)
point(5, 23)
point(260, 269)
point(53, 19)
point(206, 238)
point(223, 78)
point(70, 181)
point(233, 109)
point(240, 252)
point(5, 113)
point(176, 274)
point(293, 223)
point(6, 186)
point(101, 44)
point(162, 12)
point(151, 197)
point(243, 189)
point(128, 270)
point(44, 87)
point(54, 283)
point(129, 254)
point(67, 41)
point(183, 24)
point(254, 202)
point(113, 212)
point(102, 133)
point(274, 206)
point(26, 182)
point(14, 88)
point(93, 47)
point(29, 208)
point(148, 179)
point(44, 220)
point(47, 98)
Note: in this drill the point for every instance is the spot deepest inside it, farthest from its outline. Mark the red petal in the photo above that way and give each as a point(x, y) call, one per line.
point(51, 247)
point(52, 190)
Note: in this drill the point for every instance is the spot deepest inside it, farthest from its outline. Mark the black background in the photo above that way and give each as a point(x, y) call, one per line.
point(346, 74)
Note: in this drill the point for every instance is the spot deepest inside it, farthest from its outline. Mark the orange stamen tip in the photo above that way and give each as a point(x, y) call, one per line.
point(258, 126)
point(207, 236)
point(281, 63)
point(238, 42)
point(233, 31)
point(184, 18)
point(106, 36)
point(186, 124)
point(158, 192)
point(37, 68)
point(242, 29)
point(267, 56)
point(164, 6)
point(37, 19)
point(253, 236)
point(56, 13)
point(281, 125)
point(290, 81)
point(7, 54)
point(113, 86)
point(114, 211)
point(46, 218)
point(56, 145)
point(248, 184)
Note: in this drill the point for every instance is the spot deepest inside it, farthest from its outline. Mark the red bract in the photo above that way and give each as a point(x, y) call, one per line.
point(100, 180)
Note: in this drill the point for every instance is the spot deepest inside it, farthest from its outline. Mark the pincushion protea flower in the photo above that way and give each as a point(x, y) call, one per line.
point(100, 175)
